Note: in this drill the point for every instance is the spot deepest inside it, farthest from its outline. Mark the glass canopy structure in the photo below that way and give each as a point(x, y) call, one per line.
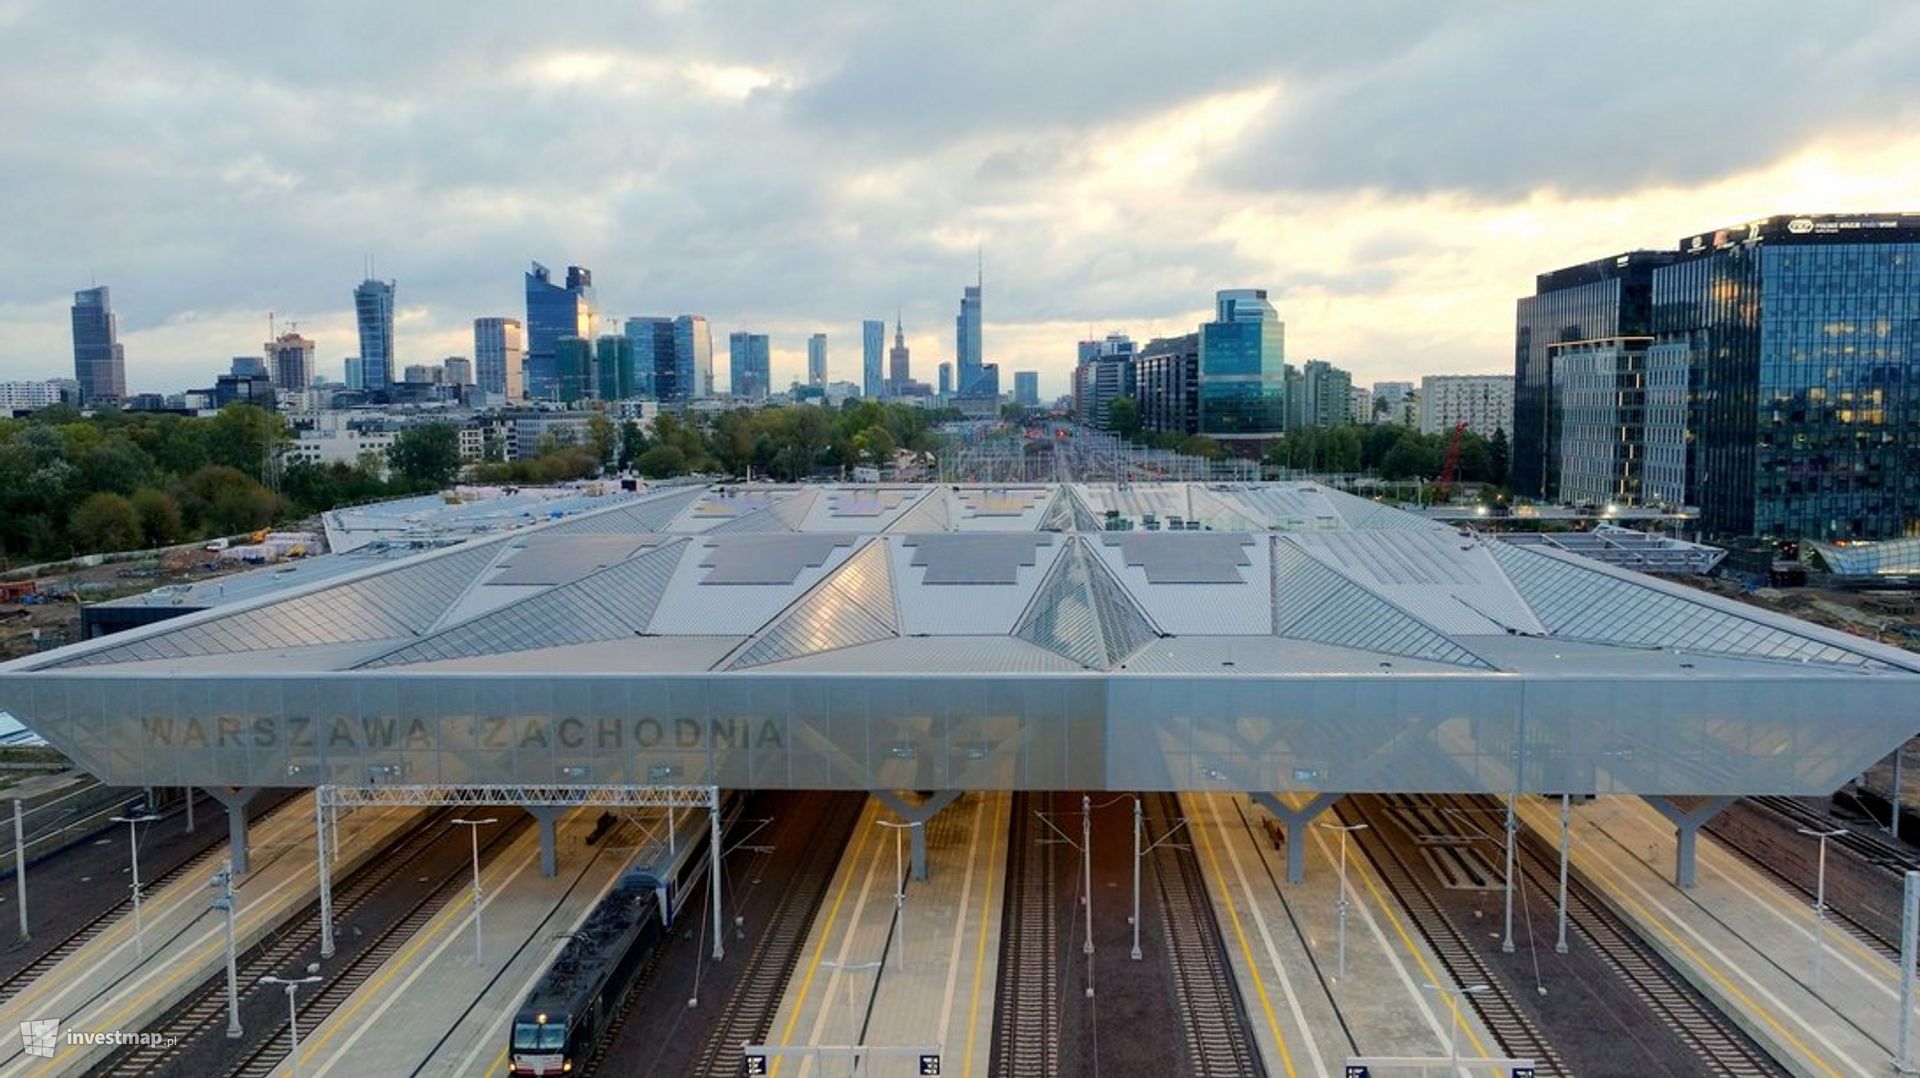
point(1271, 637)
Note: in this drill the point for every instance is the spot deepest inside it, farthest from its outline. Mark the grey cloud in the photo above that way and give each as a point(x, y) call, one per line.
point(1568, 98)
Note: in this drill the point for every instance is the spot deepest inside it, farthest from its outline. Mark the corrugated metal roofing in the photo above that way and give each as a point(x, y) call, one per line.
point(1313, 601)
point(853, 606)
point(543, 558)
point(1210, 609)
point(1445, 579)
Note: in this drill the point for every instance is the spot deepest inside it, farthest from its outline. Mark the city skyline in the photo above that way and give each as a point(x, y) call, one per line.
point(1120, 206)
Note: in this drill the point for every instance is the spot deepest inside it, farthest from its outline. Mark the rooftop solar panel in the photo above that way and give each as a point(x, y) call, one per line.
point(1185, 558)
point(975, 558)
point(766, 559)
point(562, 559)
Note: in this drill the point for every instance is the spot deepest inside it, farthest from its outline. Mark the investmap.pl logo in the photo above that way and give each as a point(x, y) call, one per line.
point(42, 1038)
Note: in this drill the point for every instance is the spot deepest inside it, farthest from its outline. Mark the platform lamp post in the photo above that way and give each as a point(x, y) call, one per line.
point(1820, 898)
point(1454, 996)
point(1139, 851)
point(20, 864)
point(133, 822)
point(1341, 905)
point(473, 831)
point(899, 889)
point(223, 883)
point(292, 986)
point(846, 969)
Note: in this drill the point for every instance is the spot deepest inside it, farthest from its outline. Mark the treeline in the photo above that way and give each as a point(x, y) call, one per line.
point(73, 484)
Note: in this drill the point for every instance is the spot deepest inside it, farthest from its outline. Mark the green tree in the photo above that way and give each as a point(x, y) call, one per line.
point(1123, 417)
point(602, 437)
point(245, 438)
point(662, 461)
point(105, 522)
point(1498, 454)
point(633, 442)
point(223, 501)
point(159, 512)
point(426, 457)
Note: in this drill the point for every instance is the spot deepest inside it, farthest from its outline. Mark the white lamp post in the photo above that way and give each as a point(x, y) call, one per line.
point(1820, 899)
point(1453, 1026)
point(293, 1017)
point(133, 822)
point(223, 882)
point(899, 889)
point(1341, 905)
point(473, 830)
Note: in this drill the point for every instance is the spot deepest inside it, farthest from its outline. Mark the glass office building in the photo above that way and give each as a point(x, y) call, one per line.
point(572, 369)
point(1243, 367)
point(498, 345)
point(373, 311)
point(655, 373)
point(555, 311)
point(749, 365)
point(873, 348)
point(99, 364)
point(693, 356)
point(613, 368)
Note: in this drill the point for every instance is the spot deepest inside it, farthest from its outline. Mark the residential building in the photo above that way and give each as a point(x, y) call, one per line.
point(289, 362)
point(615, 372)
point(749, 365)
point(817, 361)
point(1360, 405)
point(373, 315)
point(1104, 377)
point(899, 362)
point(99, 363)
point(1395, 402)
point(498, 347)
point(692, 357)
point(31, 396)
point(1026, 389)
point(572, 369)
point(1243, 368)
point(1167, 384)
point(1318, 395)
point(873, 345)
point(1484, 402)
point(555, 311)
point(655, 373)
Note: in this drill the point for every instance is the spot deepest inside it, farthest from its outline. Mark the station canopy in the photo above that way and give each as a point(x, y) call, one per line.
point(1270, 636)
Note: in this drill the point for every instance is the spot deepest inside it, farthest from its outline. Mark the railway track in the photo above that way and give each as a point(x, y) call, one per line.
point(204, 861)
point(747, 1016)
point(204, 1012)
point(319, 1004)
point(1877, 852)
point(1026, 1033)
point(1498, 1010)
point(1206, 996)
point(1723, 1049)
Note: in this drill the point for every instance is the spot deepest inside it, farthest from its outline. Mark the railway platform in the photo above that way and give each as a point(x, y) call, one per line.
point(930, 984)
point(115, 982)
point(1743, 940)
point(433, 1009)
point(1282, 941)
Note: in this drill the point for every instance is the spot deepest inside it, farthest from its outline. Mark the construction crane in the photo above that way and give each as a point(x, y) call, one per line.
point(1443, 487)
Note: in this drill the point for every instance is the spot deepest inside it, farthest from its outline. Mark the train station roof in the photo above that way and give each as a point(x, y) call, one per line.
point(1169, 635)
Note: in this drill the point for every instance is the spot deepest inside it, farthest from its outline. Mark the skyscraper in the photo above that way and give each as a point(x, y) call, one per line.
point(1243, 368)
point(655, 373)
point(946, 379)
point(693, 356)
point(459, 370)
point(498, 344)
point(290, 362)
point(817, 360)
point(966, 343)
point(355, 374)
point(572, 369)
point(873, 347)
point(899, 362)
point(749, 365)
point(99, 365)
point(1026, 388)
point(613, 367)
point(373, 310)
point(555, 311)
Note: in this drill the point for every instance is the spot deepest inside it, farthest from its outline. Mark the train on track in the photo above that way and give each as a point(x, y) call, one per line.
point(563, 1016)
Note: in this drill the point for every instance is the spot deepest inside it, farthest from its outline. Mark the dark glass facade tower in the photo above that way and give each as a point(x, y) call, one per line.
point(555, 311)
point(614, 368)
point(1243, 367)
point(1597, 301)
point(572, 369)
point(1167, 383)
point(99, 365)
point(373, 312)
point(749, 365)
point(967, 348)
point(693, 356)
point(873, 348)
point(655, 373)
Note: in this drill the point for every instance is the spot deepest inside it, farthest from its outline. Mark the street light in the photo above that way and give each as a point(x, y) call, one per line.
point(473, 831)
point(133, 822)
point(223, 882)
point(293, 1017)
point(1820, 899)
point(1453, 1027)
point(853, 1021)
point(1506, 936)
point(899, 889)
point(1341, 905)
point(1139, 826)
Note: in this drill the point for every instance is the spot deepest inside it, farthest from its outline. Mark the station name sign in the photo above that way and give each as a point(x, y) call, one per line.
point(545, 732)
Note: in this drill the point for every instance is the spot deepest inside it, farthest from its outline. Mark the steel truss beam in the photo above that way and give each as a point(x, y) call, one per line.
point(435, 794)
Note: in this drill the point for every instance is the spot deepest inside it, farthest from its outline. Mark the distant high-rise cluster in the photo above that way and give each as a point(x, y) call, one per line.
point(99, 365)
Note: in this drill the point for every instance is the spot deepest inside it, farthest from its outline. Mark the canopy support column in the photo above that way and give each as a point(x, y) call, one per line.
point(235, 798)
point(1294, 823)
point(1686, 830)
point(917, 813)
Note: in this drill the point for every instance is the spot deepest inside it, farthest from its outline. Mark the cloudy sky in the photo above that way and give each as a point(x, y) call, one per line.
point(1394, 172)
